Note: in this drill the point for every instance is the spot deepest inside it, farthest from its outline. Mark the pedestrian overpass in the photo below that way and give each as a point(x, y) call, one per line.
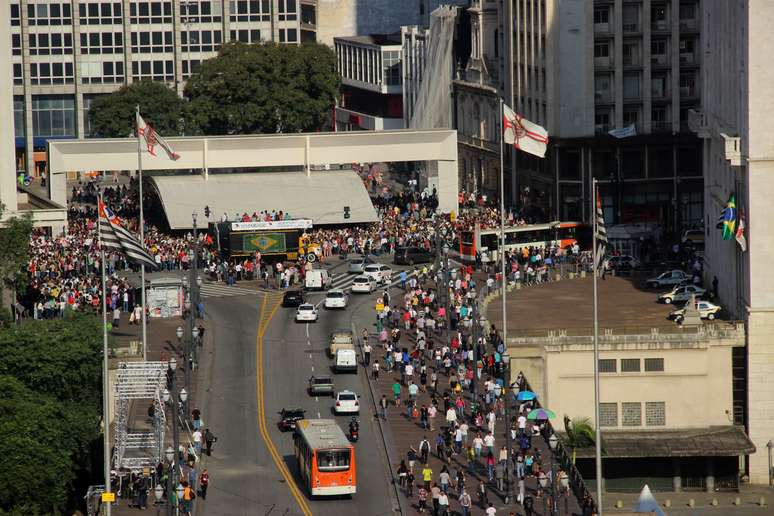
point(248, 173)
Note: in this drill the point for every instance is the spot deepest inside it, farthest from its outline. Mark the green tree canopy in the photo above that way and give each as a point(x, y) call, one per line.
point(14, 255)
point(113, 115)
point(35, 466)
point(264, 88)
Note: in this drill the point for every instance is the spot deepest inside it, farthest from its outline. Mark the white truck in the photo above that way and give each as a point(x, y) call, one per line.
point(317, 279)
point(346, 361)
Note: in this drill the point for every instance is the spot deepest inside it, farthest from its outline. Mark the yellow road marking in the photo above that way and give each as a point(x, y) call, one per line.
point(261, 412)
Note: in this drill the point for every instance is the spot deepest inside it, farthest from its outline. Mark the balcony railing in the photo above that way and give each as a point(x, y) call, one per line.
point(475, 141)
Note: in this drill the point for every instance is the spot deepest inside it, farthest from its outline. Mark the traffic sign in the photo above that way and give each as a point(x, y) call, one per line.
point(109, 497)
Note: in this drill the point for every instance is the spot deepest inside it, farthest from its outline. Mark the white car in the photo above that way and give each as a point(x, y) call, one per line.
point(681, 294)
point(336, 298)
point(346, 403)
point(706, 310)
point(381, 273)
point(364, 284)
point(668, 279)
point(306, 313)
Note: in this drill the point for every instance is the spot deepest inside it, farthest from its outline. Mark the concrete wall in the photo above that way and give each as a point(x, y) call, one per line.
point(338, 18)
point(695, 383)
point(7, 151)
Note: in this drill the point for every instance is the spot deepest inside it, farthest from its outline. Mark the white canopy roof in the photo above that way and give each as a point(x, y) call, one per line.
point(320, 196)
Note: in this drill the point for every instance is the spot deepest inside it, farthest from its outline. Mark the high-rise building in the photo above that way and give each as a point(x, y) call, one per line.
point(735, 125)
point(582, 68)
point(65, 53)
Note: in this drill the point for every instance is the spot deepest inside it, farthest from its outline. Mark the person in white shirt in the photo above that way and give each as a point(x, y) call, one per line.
point(522, 420)
point(197, 439)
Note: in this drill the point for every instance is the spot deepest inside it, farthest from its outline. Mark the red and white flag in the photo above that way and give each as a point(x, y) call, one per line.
point(152, 139)
point(523, 134)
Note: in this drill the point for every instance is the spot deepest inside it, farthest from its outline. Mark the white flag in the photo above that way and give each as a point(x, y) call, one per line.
point(624, 132)
point(523, 134)
point(153, 139)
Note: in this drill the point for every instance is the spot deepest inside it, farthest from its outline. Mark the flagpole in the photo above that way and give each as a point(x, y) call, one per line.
point(142, 238)
point(105, 379)
point(502, 220)
point(595, 260)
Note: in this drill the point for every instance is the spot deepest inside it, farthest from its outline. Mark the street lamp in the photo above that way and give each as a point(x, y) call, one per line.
point(158, 493)
point(553, 442)
point(179, 333)
point(171, 453)
point(506, 358)
point(180, 491)
point(770, 445)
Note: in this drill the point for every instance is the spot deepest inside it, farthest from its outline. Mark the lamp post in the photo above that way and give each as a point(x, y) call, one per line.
point(179, 490)
point(184, 398)
point(506, 358)
point(553, 441)
point(770, 445)
point(196, 343)
point(158, 493)
point(175, 437)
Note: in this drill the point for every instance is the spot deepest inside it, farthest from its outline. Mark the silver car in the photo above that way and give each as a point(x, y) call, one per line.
point(681, 294)
point(358, 265)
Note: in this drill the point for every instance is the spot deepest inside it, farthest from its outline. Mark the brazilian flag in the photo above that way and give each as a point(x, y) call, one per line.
point(727, 219)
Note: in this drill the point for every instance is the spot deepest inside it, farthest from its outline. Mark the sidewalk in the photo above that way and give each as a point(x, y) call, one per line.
point(162, 345)
point(407, 432)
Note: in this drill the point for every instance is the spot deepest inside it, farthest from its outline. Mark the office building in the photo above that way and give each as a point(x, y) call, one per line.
point(735, 126)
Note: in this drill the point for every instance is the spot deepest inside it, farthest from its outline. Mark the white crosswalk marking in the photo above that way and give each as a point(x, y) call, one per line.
point(221, 290)
point(345, 281)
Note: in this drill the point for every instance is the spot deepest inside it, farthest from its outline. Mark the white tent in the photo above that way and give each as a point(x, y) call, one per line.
point(647, 503)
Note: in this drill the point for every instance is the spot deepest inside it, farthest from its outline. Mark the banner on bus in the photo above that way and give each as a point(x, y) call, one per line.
point(272, 224)
point(266, 243)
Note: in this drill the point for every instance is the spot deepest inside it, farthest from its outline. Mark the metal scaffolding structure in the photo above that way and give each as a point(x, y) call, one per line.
point(139, 444)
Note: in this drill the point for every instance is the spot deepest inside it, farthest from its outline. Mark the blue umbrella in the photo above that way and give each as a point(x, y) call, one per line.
point(526, 396)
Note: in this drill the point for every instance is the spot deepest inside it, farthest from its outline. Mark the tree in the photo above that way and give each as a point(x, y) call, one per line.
point(580, 434)
point(14, 256)
point(113, 115)
point(264, 88)
point(35, 470)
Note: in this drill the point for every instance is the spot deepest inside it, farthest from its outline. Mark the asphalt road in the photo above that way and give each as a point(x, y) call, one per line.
point(245, 476)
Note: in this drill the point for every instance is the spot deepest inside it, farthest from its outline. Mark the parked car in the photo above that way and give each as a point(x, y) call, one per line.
point(706, 310)
point(340, 339)
point(622, 263)
point(358, 265)
point(681, 294)
point(346, 403)
point(381, 273)
point(673, 277)
point(694, 236)
point(293, 298)
point(364, 284)
point(336, 298)
point(412, 255)
point(321, 385)
point(306, 313)
point(289, 417)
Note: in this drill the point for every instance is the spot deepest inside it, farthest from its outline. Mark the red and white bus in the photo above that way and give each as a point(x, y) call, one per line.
point(559, 234)
point(326, 459)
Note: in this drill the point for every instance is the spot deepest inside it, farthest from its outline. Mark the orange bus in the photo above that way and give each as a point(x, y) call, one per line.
point(326, 459)
point(560, 234)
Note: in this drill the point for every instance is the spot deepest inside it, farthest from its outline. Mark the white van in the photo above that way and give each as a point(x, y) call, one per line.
point(346, 360)
point(317, 279)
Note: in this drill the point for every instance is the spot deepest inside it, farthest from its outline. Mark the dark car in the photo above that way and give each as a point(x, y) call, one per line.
point(293, 298)
point(412, 255)
point(288, 418)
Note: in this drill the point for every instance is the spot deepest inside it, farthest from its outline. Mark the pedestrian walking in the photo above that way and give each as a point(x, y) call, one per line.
point(424, 449)
point(383, 407)
point(366, 354)
point(427, 476)
point(466, 503)
point(209, 440)
point(204, 482)
point(197, 440)
point(375, 370)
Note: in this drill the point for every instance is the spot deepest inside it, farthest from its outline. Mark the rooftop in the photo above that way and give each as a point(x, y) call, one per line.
point(373, 39)
point(626, 306)
point(716, 441)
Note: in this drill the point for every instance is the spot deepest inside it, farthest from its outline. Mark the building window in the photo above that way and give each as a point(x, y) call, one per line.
point(631, 116)
point(288, 35)
point(18, 74)
point(96, 43)
point(102, 13)
point(655, 413)
point(246, 36)
point(200, 11)
point(631, 18)
point(42, 14)
point(18, 116)
point(200, 41)
point(152, 42)
point(87, 100)
point(631, 85)
point(601, 16)
point(602, 88)
point(601, 50)
point(287, 10)
point(53, 115)
point(631, 53)
point(654, 365)
point(102, 72)
point(688, 84)
point(250, 10)
point(147, 12)
point(156, 70)
point(602, 125)
point(391, 64)
point(44, 44)
point(15, 15)
point(631, 413)
point(607, 365)
point(608, 414)
point(687, 11)
point(658, 17)
point(630, 365)
point(51, 73)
